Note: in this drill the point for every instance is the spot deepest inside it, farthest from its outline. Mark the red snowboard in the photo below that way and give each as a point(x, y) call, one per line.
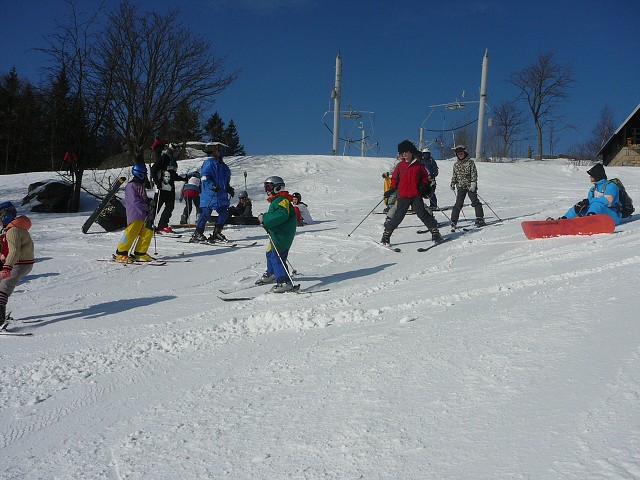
point(589, 225)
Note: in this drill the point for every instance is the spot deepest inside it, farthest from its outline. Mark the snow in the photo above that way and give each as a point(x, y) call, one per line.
point(490, 356)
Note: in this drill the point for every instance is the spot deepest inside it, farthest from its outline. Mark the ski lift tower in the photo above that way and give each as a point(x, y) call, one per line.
point(483, 101)
point(335, 94)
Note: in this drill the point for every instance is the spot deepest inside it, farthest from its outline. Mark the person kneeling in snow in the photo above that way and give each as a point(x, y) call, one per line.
point(603, 197)
point(302, 212)
point(280, 223)
point(17, 254)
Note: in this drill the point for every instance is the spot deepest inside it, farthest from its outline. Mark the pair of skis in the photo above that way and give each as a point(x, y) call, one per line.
point(421, 249)
point(296, 289)
point(8, 321)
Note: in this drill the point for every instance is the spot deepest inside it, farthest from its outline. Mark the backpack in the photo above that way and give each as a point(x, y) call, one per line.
point(627, 204)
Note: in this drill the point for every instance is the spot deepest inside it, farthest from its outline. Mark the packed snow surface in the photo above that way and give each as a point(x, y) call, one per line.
point(490, 356)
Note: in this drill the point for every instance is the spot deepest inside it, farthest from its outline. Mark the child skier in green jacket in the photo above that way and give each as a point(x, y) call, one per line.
point(280, 222)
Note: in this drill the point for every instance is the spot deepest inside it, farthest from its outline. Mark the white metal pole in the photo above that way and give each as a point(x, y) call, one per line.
point(336, 104)
point(481, 109)
point(363, 146)
point(421, 143)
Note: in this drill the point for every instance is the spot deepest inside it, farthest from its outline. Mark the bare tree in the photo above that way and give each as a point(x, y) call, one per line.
point(599, 135)
point(508, 124)
point(544, 85)
point(150, 65)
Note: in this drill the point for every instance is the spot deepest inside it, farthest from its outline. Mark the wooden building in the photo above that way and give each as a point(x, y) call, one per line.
point(623, 148)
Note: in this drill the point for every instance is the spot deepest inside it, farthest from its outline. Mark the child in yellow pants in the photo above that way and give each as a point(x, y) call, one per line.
point(140, 213)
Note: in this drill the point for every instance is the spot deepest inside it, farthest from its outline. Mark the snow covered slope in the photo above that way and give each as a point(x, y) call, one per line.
point(490, 356)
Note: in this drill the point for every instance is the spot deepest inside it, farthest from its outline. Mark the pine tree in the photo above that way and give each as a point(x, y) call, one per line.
point(214, 128)
point(233, 140)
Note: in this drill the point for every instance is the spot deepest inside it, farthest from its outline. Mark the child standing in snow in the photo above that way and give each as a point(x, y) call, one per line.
point(280, 222)
point(411, 180)
point(191, 195)
point(465, 178)
point(140, 213)
point(17, 255)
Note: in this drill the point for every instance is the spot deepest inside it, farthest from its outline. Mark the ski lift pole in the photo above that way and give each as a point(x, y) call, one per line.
point(483, 201)
point(245, 180)
point(367, 216)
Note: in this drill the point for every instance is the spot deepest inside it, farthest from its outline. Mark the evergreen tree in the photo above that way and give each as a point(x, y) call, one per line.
point(185, 124)
point(233, 140)
point(214, 128)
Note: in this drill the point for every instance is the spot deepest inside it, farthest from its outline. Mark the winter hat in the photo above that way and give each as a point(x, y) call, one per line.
point(597, 172)
point(157, 144)
point(407, 146)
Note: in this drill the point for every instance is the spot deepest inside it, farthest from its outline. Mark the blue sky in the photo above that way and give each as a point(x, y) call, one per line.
point(398, 58)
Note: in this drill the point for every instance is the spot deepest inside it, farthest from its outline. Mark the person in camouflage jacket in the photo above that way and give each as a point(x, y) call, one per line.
point(465, 180)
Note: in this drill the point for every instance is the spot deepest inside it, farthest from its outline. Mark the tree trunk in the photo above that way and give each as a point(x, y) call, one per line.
point(539, 130)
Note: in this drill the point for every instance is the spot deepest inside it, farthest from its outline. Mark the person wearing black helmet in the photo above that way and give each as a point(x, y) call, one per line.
point(244, 207)
point(140, 213)
point(280, 222)
point(17, 256)
point(302, 210)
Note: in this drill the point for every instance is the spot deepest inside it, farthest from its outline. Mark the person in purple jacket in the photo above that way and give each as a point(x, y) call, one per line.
point(140, 213)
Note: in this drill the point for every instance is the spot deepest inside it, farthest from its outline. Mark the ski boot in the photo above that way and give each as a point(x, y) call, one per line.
point(386, 237)
point(453, 227)
point(282, 287)
point(436, 237)
point(480, 222)
point(266, 278)
point(198, 237)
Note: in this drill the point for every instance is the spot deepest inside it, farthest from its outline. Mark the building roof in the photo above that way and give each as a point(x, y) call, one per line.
point(618, 129)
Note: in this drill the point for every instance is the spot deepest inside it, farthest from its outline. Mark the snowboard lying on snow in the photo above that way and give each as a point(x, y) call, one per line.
point(589, 225)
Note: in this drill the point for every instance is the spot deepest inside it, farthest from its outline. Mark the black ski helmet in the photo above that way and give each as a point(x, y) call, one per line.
point(273, 184)
point(297, 195)
point(243, 194)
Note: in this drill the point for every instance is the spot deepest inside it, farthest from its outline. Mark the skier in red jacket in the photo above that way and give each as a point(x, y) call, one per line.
point(411, 180)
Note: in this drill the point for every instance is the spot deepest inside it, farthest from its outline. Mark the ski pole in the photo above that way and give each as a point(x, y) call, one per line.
point(483, 201)
point(293, 270)
point(462, 207)
point(279, 257)
point(366, 216)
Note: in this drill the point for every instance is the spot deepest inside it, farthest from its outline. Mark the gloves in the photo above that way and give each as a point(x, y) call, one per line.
point(453, 187)
point(151, 205)
point(389, 192)
point(260, 218)
point(216, 188)
point(581, 206)
point(149, 224)
point(230, 190)
point(6, 271)
point(425, 190)
point(473, 187)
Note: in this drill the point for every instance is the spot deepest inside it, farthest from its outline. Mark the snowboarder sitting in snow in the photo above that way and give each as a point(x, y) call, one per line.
point(465, 178)
point(17, 255)
point(411, 181)
point(603, 197)
point(140, 213)
point(244, 207)
point(302, 211)
point(280, 223)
